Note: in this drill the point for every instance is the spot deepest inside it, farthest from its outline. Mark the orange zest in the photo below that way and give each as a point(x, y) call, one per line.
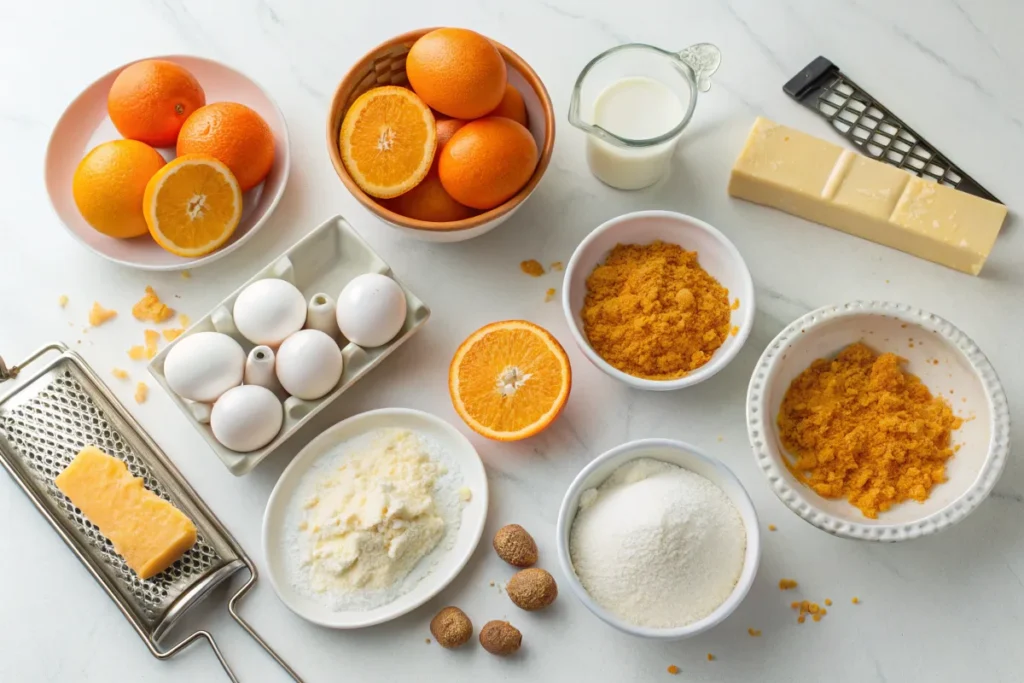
point(192, 205)
point(387, 141)
point(509, 380)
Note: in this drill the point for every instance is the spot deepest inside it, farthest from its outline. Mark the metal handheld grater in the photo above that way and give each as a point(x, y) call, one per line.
point(880, 134)
point(44, 423)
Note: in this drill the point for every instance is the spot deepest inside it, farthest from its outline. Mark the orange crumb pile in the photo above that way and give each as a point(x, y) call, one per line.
point(806, 607)
point(772, 527)
point(63, 300)
point(855, 601)
point(171, 334)
point(119, 373)
point(828, 603)
point(150, 308)
point(549, 295)
point(862, 428)
point(787, 584)
point(652, 312)
point(711, 657)
point(557, 265)
point(754, 632)
point(673, 669)
point(533, 268)
point(99, 315)
point(141, 392)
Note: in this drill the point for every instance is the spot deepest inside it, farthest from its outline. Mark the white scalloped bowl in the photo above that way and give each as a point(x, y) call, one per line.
point(962, 375)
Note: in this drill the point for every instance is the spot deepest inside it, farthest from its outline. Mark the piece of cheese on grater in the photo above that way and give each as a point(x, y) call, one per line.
point(147, 531)
point(814, 179)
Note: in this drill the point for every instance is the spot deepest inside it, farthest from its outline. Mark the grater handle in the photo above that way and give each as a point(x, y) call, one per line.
point(250, 630)
point(11, 372)
point(191, 639)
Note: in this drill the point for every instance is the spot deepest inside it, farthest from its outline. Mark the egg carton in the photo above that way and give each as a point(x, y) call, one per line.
point(325, 261)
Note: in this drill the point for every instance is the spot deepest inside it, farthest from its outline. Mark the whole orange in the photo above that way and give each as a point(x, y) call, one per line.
point(109, 184)
point(456, 71)
point(150, 100)
point(487, 161)
point(428, 201)
point(511, 106)
point(234, 134)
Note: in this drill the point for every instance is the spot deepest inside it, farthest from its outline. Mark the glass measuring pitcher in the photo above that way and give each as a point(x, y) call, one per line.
point(634, 101)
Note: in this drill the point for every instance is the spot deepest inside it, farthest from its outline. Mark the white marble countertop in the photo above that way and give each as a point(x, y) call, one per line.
point(945, 608)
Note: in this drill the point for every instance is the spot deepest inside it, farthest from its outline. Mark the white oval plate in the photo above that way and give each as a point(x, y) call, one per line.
point(85, 124)
point(450, 563)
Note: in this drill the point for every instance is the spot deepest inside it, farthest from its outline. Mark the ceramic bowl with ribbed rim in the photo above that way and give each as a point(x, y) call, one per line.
point(385, 65)
point(690, 458)
point(948, 362)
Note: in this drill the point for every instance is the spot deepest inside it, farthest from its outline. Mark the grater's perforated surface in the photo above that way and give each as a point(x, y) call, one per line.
point(44, 426)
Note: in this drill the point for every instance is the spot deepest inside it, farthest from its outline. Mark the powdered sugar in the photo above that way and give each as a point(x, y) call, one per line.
point(314, 578)
point(657, 545)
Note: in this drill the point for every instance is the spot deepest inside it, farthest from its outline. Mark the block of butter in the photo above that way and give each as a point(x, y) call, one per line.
point(814, 179)
point(147, 531)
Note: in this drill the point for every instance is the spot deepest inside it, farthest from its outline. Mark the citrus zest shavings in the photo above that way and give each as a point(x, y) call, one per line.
point(119, 373)
point(173, 333)
point(141, 392)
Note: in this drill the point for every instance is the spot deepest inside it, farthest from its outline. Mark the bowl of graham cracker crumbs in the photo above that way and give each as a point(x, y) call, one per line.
point(658, 300)
point(878, 421)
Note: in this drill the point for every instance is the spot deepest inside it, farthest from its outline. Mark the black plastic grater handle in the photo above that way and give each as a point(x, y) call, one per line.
point(876, 131)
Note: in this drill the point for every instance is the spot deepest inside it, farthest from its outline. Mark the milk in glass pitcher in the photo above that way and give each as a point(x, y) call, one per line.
point(634, 101)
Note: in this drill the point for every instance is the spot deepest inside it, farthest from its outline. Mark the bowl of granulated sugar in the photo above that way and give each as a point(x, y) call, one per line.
point(658, 539)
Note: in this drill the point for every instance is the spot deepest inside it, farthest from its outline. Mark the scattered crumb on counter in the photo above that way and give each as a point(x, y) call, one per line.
point(855, 600)
point(754, 632)
point(152, 339)
point(186, 274)
point(721, 438)
point(99, 315)
point(828, 602)
point(772, 527)
point(465, 494)
point(673, 669)
point(734, 331)
point(184, 320)
point(119, 373)
point(711, 657)
point(137, 353)
point(532, 267)
point(427, 641)
point(549, 295)
point(787, 584)
point(150, 308)
point(735, 304)
point(141, 392)
point(556, 265)
point(807, 607)
point(63, 300)
point(172, 333)
point(492, 584)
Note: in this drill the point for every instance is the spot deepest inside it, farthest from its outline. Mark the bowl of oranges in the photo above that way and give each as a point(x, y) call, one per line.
point(167, 163)
point(441, 133)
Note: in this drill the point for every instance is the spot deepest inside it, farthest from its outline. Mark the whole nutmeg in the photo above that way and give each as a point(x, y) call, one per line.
point(532, 589)
point(500, 638)
point(515, 545)
point(451, 627)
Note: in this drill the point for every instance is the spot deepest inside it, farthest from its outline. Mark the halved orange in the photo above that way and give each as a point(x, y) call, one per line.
point(387, 141)
point(509, 380)
point(192, 205)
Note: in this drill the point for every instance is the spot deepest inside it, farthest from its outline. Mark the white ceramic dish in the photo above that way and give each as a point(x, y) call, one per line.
point(325, 260)
point(718, 256)
point(690, 458)
point(85, 124)
point(450, 562)
point(963, 375)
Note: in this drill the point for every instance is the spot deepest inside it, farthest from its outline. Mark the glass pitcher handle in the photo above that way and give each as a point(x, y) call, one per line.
point(704, 59)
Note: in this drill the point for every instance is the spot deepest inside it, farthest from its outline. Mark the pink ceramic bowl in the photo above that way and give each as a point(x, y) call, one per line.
point(85, 124)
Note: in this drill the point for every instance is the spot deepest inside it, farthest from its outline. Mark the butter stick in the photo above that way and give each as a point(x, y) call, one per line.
point(147, 531)
point(802, 175)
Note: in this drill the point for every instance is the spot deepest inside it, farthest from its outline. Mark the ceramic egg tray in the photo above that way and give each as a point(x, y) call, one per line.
point(323, 261)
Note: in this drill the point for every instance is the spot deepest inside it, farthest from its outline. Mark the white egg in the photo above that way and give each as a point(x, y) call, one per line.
point(371, 310)
point(202, 366)
point(246, 418)
point(309, 364)
point(269, 310)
